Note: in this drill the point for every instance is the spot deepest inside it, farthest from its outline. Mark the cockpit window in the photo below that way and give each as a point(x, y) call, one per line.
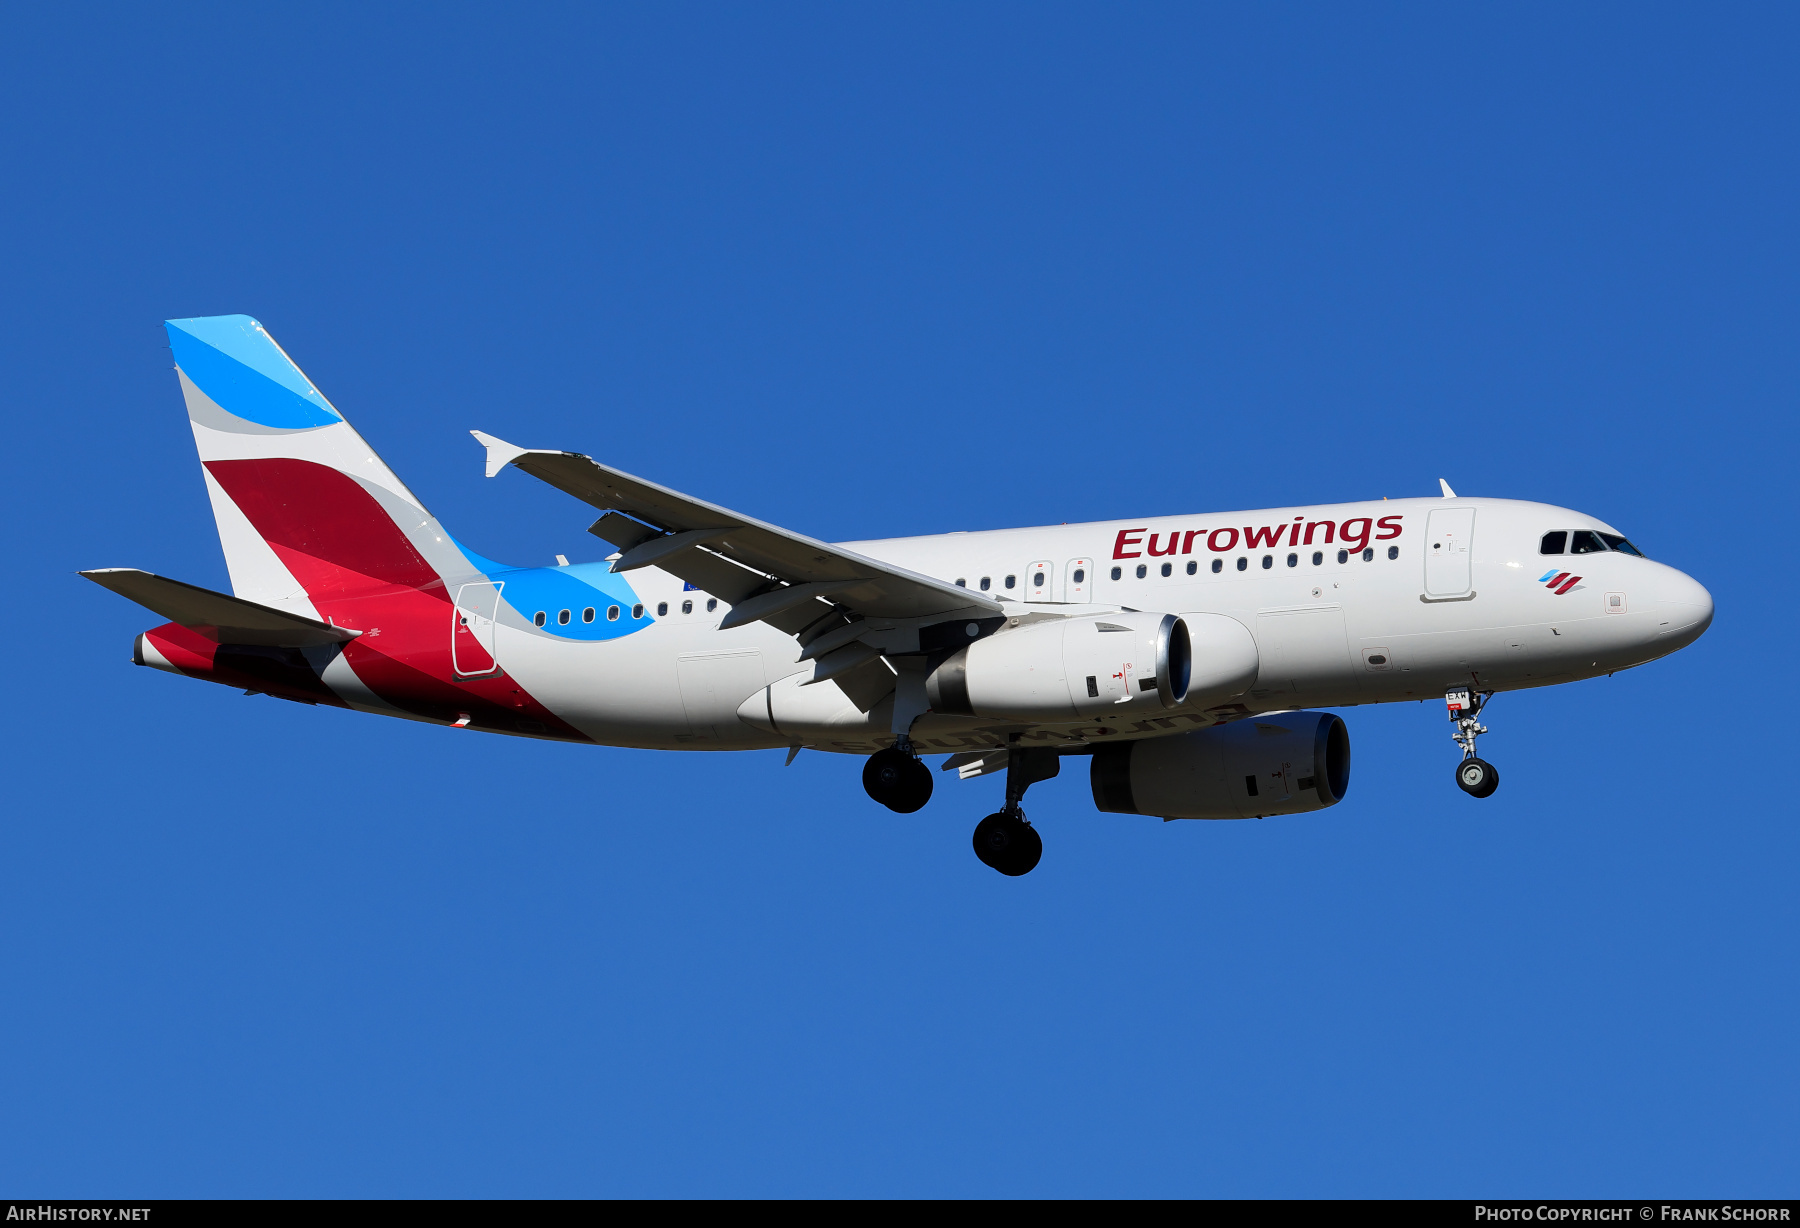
point(1586, 541)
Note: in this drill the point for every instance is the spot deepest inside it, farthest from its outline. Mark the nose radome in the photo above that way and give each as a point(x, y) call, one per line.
point(1685, 604)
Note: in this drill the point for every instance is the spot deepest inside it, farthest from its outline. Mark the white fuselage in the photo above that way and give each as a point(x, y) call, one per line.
point(1427, 594)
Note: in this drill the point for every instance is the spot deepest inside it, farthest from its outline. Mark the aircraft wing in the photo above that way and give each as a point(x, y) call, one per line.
point(223, 619)
point(766, 573)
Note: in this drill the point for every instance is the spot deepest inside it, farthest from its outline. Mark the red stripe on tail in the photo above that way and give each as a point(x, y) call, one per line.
point(325, 526)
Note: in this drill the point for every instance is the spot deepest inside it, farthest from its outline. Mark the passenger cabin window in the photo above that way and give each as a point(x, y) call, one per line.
point(1586, 541)
point(1318, 557)
point(987, 582)
point(1293, 560)
point(537, 620)
point(662, 609)
point(1116, 573)
point(562, 618)
point(712, 603)
point(1243, 564)
point(1268, 561)
point(1393, 552)
point(587, 615)
point(1192, 567)
point(1554, 543)
point(1620, 544)
point(612, 613)
point(1369, 555)
point(1218, 566)
point(1142, 571)
point(1343, 556)
point(1168, 569)
point(687, 607)
point(637, 611)
point(1011, 581)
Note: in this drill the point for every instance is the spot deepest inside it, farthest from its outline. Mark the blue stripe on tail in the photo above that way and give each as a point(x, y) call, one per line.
point(238, 365)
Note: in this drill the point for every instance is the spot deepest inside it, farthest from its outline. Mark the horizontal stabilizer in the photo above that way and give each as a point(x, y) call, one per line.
point(223, 619)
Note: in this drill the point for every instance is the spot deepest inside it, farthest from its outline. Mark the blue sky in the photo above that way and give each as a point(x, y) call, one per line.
point(880, 271)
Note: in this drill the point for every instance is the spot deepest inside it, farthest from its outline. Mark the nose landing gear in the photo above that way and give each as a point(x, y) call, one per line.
point(1474, 776)
point(895, 778)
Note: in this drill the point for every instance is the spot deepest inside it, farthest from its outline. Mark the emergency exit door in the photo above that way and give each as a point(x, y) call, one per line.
point(1040, 582)
point(1080, 582)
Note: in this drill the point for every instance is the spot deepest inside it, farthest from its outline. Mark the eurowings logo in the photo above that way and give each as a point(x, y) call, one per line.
point(1559, 582)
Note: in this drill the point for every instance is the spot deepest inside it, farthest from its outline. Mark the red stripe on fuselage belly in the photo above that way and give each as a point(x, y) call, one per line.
point(273, 671)
point(362, 573)
point(404, 657)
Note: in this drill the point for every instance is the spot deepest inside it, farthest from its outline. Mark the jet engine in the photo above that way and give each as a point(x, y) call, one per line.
point(1063, 668)
point(1275, 763)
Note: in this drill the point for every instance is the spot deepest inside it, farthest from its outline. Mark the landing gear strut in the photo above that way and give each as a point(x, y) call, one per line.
point(1474, 776)
point(1006, 840)
point(895, 778)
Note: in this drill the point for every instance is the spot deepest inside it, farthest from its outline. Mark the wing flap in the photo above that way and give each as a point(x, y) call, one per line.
point(221, 618)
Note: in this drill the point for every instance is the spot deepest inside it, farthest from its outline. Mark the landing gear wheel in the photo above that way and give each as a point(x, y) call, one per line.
point(1477, 777)
point(1008, 843)
point(897, 780)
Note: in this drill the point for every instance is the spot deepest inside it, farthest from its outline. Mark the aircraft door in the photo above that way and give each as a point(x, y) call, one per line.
point(472, 629)
point(1081, 581)
point(1449, 534)
point(1040, 582)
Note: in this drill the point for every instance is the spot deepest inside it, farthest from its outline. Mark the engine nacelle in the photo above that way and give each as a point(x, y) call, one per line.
point(1065, 668)
point(1276, 763)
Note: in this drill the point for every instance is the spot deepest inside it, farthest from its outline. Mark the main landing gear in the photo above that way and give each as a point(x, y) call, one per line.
point(1006, 840)
point(895, 778)
point(1476, 777)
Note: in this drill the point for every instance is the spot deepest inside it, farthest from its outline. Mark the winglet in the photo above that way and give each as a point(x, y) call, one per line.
point(500, 454)
point(1448, 493)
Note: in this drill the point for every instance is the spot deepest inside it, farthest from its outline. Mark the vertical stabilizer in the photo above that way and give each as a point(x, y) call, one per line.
point(305, 508)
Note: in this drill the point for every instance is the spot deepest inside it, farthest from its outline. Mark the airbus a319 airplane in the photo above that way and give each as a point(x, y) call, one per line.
point(1183, 655)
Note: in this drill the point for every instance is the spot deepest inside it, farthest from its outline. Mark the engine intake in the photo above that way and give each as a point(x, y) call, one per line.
point(1276, 763)
point(1067, 667)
